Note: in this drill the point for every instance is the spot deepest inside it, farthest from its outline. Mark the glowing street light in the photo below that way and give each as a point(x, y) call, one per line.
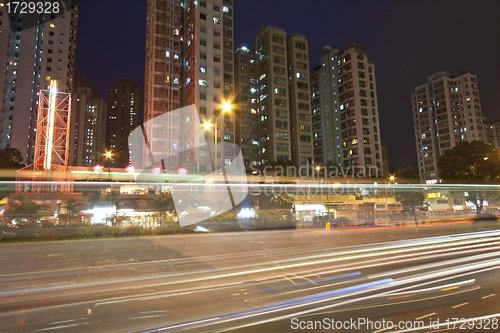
point(226, 107)
point(391, 179)
point(108, 156)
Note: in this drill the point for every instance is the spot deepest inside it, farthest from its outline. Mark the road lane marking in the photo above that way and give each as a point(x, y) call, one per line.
point(142, 298)
point(459, 305)
point(448, 286)
point(485, 297)
point(183, 325)
point(65, 321)
point(304, 278)
point(59, 327)
point(400, 297)
point(146, 317)
point(385, 329)
point(427, 315)
point(446, 289)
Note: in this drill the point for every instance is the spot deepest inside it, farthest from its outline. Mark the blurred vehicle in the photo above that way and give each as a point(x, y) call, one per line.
point(485, 217)
point(320, 220)
point(343, 221)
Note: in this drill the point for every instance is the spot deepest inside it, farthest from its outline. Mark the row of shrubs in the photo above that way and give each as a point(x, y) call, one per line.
point(46, 231)
point(80, 231)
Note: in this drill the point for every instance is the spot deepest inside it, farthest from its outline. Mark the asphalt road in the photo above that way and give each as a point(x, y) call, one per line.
point(278, 281)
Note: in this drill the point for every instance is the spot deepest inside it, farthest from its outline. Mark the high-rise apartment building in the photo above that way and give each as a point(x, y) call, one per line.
point(493, 132)
point(7, 36)
point(98, 115)
point(189, 61)
point(345, 112)
point(34, 57)
point(385, 160)
point(88, 125)
point(247, 106)
point(81, 99)
point(273, 98)
point(446, 110)
point(123, 116)
point(299, 99)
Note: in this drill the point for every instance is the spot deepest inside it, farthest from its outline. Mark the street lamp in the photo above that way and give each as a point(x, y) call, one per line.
point(391, 179)
point(226, 107)
point(318, 168)
point(108, 156)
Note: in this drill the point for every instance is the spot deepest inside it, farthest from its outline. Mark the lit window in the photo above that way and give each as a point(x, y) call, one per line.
point(203, 69)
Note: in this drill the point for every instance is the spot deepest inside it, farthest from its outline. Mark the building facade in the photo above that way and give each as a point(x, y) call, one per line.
point(272, 80)
point(493, 132)
point(33, 57)
point(189, 61)
point(81, 100)
point(246, 101)
point(87, 143)
point(345, 115)
point(446, 110)
point(124, 114)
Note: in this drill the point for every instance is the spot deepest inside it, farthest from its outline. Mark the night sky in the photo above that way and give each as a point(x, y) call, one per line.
point(406, 40)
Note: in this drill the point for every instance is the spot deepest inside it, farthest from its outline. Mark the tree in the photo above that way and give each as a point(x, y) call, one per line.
point(113, 198)
point(472, 163)
point(275, 210)
point(72, 208)
point(93, 196)
point(164, 204)
point(10, 158)
point(411, 200)
point(93, 188)
point(266, 201)
point(406, 173)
